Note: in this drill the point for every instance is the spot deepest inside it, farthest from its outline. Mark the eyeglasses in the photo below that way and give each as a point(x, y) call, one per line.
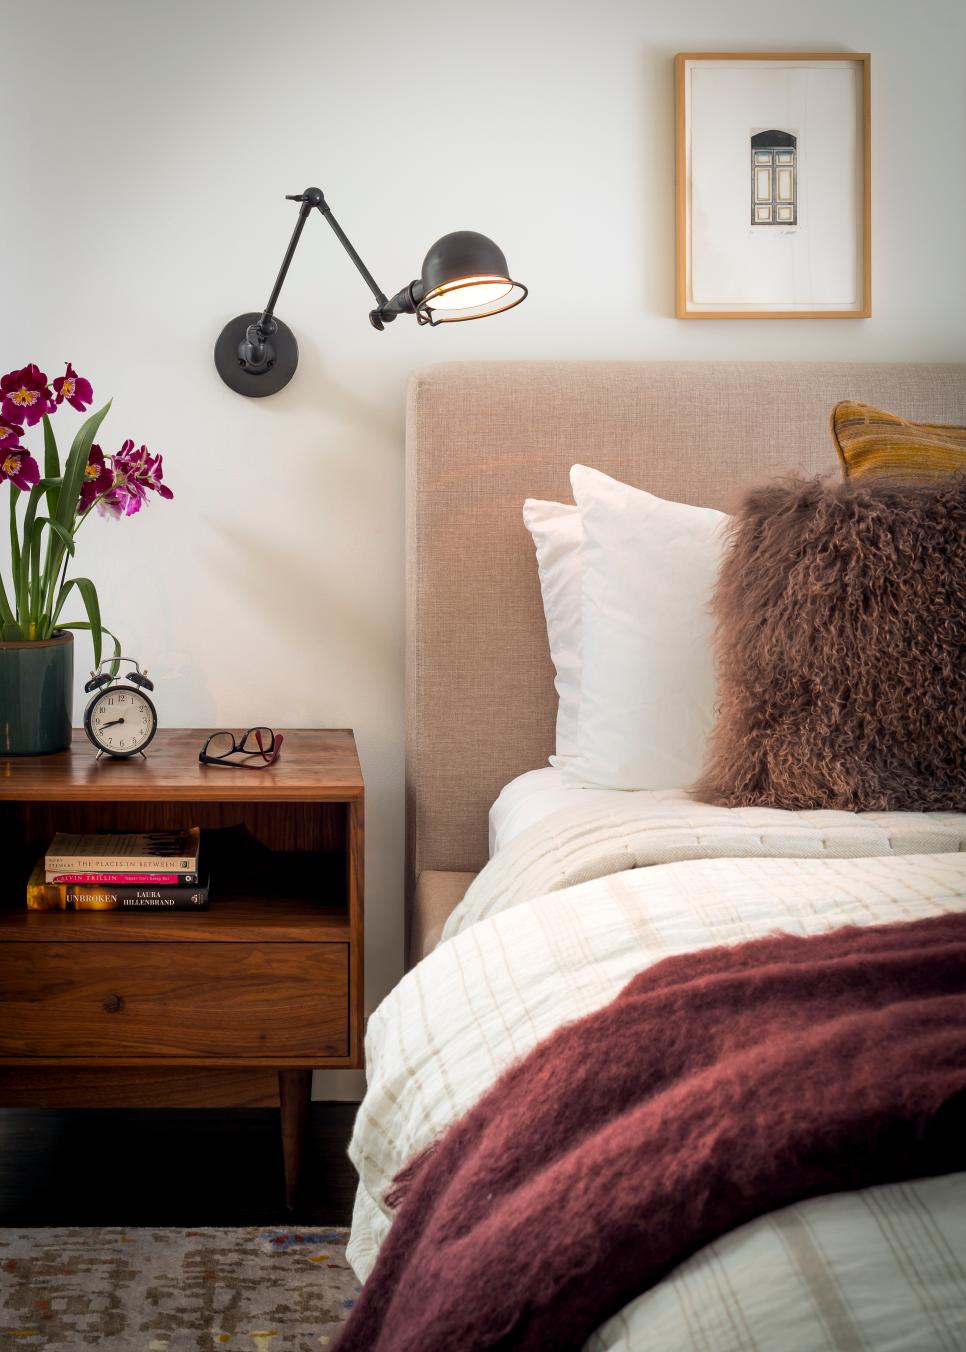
point(258, 749)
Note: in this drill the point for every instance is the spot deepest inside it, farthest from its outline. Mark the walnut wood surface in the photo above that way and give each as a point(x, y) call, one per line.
point(355, 870)
point(126, 1087)
point(294, 1091)
point(273, 823)
point(316, 765)
point(232, 918)
point(233, 1005)
point(248, 1002)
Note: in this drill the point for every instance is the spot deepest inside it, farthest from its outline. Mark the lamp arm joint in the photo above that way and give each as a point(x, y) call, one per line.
point(404, 302)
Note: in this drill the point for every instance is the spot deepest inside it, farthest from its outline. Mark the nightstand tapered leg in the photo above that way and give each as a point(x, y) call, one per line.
point(294, 1092)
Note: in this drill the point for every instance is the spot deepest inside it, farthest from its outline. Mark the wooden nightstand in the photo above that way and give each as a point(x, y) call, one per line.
point(233, 1006)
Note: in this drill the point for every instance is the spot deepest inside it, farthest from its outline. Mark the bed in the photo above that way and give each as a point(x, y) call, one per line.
point(583, 888)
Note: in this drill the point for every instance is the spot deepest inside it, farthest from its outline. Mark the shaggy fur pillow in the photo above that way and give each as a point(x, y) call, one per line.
point(841, 649)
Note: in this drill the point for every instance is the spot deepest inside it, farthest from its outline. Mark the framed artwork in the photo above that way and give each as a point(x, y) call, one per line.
point(773, 180)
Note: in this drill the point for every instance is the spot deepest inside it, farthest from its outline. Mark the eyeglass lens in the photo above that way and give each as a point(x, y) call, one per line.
point(258, 739)
point(220, 744)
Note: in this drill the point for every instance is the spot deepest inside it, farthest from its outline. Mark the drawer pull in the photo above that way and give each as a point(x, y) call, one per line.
point(113, 1004)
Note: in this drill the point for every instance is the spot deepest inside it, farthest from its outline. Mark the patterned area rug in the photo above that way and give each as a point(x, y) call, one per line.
point(173, 1290)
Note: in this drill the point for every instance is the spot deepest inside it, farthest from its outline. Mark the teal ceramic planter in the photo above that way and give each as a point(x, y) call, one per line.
point(36, 696)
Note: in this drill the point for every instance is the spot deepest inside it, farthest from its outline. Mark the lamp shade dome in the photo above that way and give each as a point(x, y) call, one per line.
point(465, 276)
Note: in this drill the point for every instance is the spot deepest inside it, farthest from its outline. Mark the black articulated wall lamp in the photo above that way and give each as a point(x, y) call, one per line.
point(464, 276)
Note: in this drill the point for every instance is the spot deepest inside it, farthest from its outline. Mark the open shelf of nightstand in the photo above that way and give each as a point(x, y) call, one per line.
point(268, 978)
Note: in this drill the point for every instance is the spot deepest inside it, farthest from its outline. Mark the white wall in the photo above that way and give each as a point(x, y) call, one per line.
point(148, 148)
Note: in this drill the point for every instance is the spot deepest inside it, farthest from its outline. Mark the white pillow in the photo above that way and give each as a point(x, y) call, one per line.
point(556, 531)
point(647, 677)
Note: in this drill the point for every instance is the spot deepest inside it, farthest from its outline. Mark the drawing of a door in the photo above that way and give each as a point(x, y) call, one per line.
point(774, 178)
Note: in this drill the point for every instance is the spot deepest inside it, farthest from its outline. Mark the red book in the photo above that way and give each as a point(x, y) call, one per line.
point(127, 879)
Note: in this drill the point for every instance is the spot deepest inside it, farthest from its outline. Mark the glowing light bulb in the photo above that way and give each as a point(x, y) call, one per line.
point(469, 291)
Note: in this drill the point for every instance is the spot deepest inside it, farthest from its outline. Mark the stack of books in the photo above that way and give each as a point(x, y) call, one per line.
point(146, 871)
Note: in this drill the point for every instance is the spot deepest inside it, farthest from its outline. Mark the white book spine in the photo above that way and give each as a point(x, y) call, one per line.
point(118, 863)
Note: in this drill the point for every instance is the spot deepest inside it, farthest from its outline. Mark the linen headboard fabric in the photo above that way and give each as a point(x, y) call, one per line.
point(483, 436)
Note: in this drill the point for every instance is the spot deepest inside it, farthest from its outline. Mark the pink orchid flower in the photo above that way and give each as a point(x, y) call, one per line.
point(74, 389)
point(98, 478)
point(10, 434)
point(20, 468)
point(26, 396)
point(136, 473)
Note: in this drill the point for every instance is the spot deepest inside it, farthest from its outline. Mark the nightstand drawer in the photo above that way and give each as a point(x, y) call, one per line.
point(232, 1001)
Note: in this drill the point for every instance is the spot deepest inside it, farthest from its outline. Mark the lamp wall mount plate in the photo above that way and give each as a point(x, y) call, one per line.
point(281, 360)
point(464, 276)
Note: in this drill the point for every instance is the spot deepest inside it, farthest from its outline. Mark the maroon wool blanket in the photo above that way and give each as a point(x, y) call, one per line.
point(717, 1086)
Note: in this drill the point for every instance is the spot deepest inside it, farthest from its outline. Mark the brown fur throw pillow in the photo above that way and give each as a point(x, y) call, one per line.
point(841, 649)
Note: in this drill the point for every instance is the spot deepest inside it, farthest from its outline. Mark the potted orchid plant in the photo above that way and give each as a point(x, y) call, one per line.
point(46, 513)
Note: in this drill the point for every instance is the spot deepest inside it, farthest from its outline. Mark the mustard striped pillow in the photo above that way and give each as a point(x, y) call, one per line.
point(872, 443)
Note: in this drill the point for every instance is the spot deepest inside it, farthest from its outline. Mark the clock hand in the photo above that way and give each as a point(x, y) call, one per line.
point(112, 724)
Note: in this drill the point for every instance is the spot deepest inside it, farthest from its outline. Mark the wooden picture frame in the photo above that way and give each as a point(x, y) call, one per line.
point(803, 250)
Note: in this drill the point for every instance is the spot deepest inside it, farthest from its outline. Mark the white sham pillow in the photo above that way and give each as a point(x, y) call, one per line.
point(647, 687)
point(556, 531)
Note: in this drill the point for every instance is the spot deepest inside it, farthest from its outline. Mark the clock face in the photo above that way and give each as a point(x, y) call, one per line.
point(121, 720)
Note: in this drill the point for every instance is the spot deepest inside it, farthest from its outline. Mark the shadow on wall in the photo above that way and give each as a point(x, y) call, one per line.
point(304, 567)
point(297, 588)
point(655, 164)
point(313, 392)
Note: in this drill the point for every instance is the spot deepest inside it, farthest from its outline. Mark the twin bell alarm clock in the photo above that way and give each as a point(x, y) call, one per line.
point(120, 719)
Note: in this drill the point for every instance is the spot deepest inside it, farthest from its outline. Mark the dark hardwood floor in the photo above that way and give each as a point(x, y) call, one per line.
point(173, 1166)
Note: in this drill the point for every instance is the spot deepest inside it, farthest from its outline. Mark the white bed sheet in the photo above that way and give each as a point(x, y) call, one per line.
point(538, 794)
point(881, 1269)
point(588, 887)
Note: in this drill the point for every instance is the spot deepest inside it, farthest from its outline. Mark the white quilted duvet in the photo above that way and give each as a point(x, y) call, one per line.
point(555, 925)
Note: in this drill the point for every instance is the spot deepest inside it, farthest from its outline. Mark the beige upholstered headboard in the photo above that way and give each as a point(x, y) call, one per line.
point(481, 437)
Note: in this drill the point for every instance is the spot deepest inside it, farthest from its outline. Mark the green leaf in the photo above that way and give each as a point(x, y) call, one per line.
point(66, 539)
point(14, 542)
point(89, 596)
point(54, 552)
point(37, 535)
point(29, 560)
point(84, 624)
point(51, 466)
point(29, 521)
point(77, 460)
point(41, 588)
point(11, 633)
point(6, 614)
